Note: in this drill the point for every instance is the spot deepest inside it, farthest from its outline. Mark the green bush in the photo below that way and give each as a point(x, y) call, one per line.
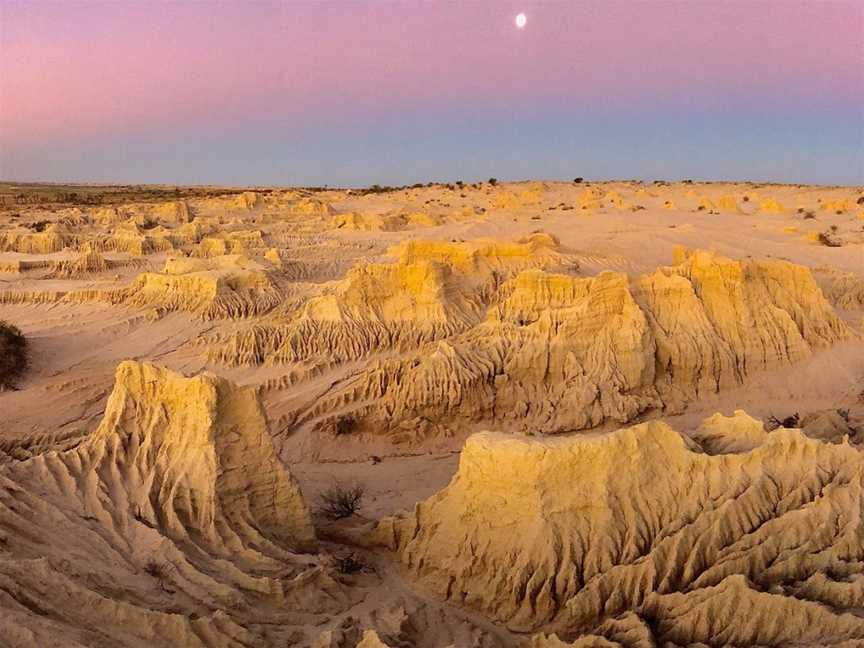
point(13, 355)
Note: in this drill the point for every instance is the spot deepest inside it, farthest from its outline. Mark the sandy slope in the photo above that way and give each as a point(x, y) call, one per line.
point(365, 338)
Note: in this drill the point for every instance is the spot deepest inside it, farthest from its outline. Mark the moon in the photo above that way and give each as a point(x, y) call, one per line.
point(521, 20)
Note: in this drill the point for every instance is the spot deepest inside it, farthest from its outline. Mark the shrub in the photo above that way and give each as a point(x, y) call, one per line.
point(14, 357)
point(341, 501)
point(350, 564)
point(826, 240)
point(156, 569)
point(345, 425)
point(793, 421)
point(578, 180)
point(493, 181)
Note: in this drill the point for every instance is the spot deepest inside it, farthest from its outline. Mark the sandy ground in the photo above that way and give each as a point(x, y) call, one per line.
point(75, 347)
point(77, 341)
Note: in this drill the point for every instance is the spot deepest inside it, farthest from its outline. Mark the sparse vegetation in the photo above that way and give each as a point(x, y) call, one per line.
point(14, 355)
point(341, 501)
point(493, 181)
point(793, 421)
point(345, 425)
point(826, 239)
point(349, 564)
point(39, 226)
point(578, 180)
point(155, 569)
point(160, 571)
point(809, 215)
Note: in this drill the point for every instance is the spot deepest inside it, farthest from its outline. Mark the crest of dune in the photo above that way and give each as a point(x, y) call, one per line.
point(178, 490)
point(645, 536)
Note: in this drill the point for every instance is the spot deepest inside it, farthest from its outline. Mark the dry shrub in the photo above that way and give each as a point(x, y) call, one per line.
point(13, 355)
point(341, 501)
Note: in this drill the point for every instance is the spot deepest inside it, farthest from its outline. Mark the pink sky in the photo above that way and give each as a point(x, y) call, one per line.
point(75, 71)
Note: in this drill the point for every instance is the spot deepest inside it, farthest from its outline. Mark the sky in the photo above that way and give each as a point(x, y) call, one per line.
point(357, 92)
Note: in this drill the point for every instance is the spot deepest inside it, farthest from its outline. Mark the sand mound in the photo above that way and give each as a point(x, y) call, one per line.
point(771, 206)
point(369, 222)
point(88, 262)
point(377, 306)
point(590, 198)
point(54, 238)
point(240, 242)
point(389, 222)
point(516, 198)
point(312, 207)
point(433, 291)
point(129, 238)
point(843, 289)
point(641, 532)
point(226, 204)
point(224, 287)
point(171, 524)
point(562, 353)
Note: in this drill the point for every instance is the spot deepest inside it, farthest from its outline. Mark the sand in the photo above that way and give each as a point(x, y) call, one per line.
point(556, 396)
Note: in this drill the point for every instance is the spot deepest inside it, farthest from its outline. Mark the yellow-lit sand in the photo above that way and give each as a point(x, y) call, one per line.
point(557, 396)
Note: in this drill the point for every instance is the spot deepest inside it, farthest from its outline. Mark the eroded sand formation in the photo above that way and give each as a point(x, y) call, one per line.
point(647, 536)
point(695, 349)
